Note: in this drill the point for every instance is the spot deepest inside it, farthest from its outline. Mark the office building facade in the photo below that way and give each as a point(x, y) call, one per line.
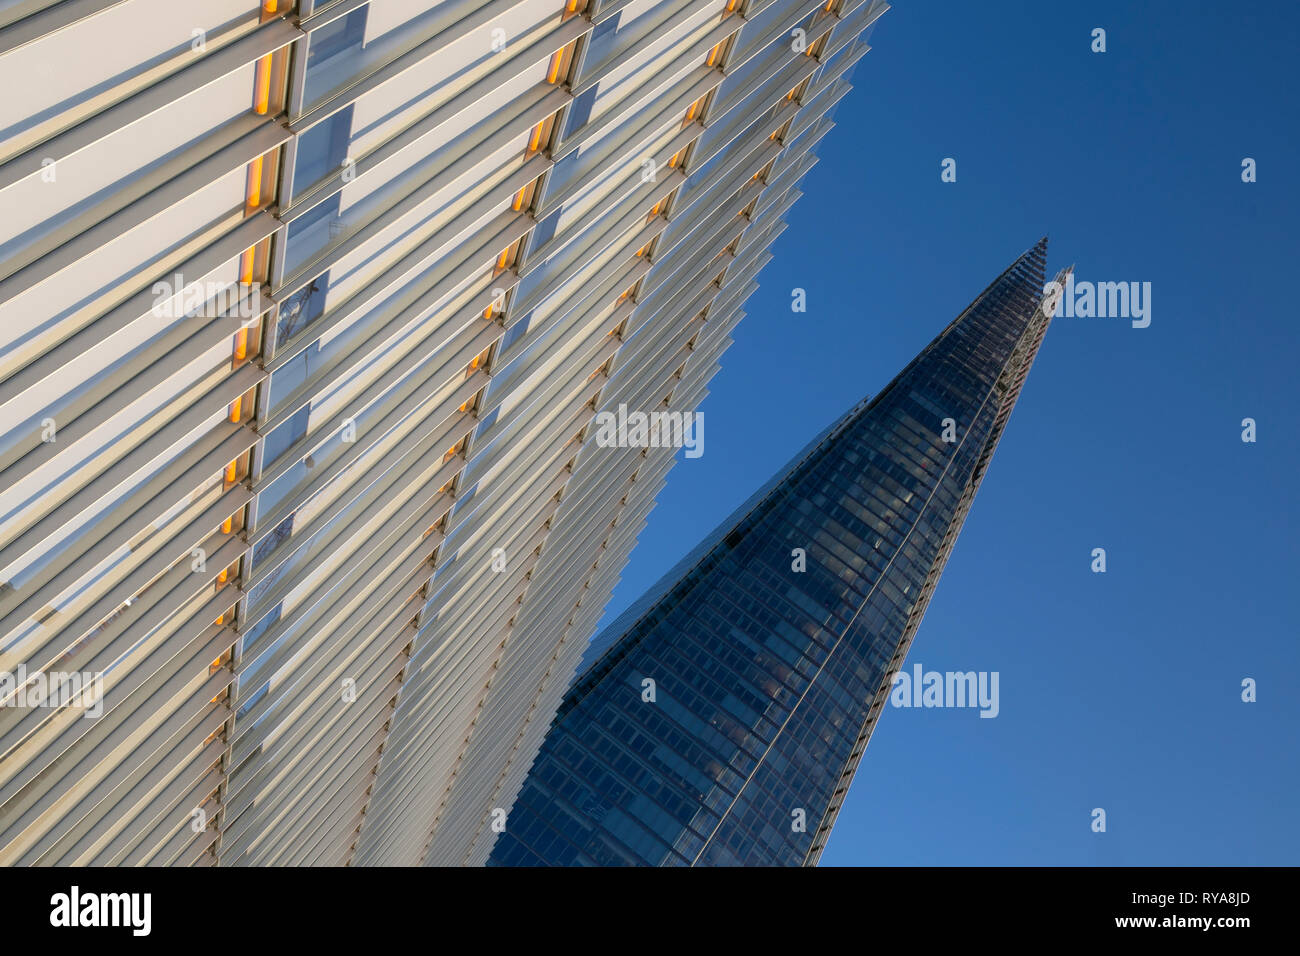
point(729, 708)
point(305, 313)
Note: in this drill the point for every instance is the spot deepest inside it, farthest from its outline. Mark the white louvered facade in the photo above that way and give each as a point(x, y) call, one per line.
point(305, 313)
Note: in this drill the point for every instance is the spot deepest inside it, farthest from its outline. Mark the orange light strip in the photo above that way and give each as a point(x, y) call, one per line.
point(241, 344)
point(236, 409)
point(572, 7)
point(232, 472)
point(535, 141)
point(227, 525)
point(519, 199)
point(504, 258)
point(255, 183)
point(713, 55)
point(262, 86)
point(553, 72)
point(690, 113)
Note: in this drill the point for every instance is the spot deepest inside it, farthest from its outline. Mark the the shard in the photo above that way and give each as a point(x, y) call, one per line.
point(725, 713)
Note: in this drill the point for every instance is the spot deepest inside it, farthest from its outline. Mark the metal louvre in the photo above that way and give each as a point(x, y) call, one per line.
point(273, 533)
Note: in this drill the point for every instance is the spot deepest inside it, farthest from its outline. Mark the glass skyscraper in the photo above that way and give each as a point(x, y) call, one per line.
point(306, 310)
point(725, 713)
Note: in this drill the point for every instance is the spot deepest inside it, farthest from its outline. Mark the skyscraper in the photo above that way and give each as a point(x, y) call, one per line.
point(305, 312)
point(728, 709)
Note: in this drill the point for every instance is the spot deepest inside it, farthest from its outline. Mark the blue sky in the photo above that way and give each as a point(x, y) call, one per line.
point(1119, 690)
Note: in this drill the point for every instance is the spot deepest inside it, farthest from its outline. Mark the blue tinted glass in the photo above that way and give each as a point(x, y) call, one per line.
point(290, 376)
point(275, 493)
point(251, 702)
point(579, 111)
point(565, 169)
point(329, 51)
point(283, 436)
point(267, 545)
point(463, 499)
point(322, 150)
point(515, 332)
point(544, 231)
point(603, 41)
point(311, 232)
point(302, 309)
point(488, 421)
point(254, 633)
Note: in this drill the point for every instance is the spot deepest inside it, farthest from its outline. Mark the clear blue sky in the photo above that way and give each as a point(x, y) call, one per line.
point(1119, 690)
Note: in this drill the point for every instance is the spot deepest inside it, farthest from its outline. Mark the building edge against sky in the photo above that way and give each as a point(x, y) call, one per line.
point(305, 312)
point(724, 714)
